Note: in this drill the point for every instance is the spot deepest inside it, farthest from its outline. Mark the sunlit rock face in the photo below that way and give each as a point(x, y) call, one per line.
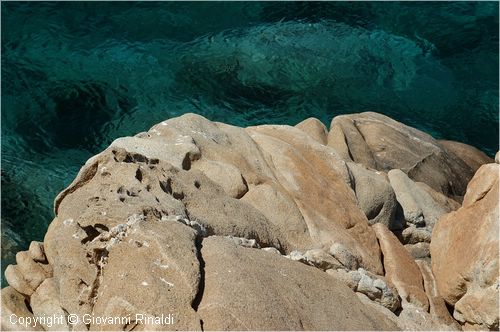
point(266, 227)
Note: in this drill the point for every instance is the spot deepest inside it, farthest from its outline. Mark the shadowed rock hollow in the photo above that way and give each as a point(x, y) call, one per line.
point(268, 228)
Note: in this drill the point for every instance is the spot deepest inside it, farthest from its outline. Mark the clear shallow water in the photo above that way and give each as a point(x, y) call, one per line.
point(75, 76)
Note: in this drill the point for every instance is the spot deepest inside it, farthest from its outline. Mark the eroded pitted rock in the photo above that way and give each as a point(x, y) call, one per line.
point(376, 288)
point(160, 274)
point(100, 271)
point(130, 234)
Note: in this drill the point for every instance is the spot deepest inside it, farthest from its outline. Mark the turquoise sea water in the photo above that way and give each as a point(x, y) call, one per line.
point(77, 75)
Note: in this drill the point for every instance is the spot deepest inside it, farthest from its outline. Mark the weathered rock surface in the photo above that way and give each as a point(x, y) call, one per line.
point(438, 309)
point(420, 250)
point(419, 207)
point(28, 274)
point(314, 128)
point(317, 258)
point(376, 288)
point(464, 249)
point(13, 306)
point(400, 268)
point(262, 228)
point(413, 235)
point(375, 195)
point(382, 143)
point(303, 166)
point(411, 318)
point(45, 303)
point(473, 157)
point(248, 289)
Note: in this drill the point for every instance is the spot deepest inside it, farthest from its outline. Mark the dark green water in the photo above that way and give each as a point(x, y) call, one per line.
point(75, 76)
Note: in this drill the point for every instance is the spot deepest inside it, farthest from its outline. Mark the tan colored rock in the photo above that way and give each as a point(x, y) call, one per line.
point(381, 143)
point(226, 175)
point(154, 271)
point(209, 204)
point(303, 166)
point(317, 258)
point(374, 194)
point(376, 288)
point(497, 157)
point(179, 151)
point(45, 303)
point(448, 204)
point(219, 142)
point(472, 156)
point(37, 252)
point(413, 318)
point(16, 280)
point(15, 314)
point(27, 275)
point(438, 309)
point(419, 250)
point(412, 235)
point(143, 265)
point(134, 232)
point(314, 128)
point(478, 309)
point(419, 207)
point(482, 184)
point(464, 251)
point(269, 198)
point(400, 268)
point(234, 298)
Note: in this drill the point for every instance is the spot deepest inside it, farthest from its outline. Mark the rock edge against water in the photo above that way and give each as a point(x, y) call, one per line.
point(372, 225)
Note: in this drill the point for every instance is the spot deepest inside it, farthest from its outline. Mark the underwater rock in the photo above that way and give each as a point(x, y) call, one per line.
point(272, 61)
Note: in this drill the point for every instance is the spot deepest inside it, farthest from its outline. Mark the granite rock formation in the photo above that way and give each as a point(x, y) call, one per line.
point(464, 249)
point(269, 228)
